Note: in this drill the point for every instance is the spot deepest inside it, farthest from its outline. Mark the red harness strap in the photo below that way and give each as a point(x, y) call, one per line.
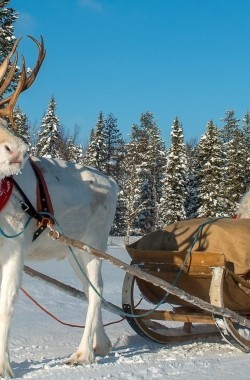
point(6, 187)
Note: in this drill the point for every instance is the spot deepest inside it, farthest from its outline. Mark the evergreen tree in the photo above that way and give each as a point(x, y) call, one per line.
point(246, 139)
point(174, 195)
point(49, 139)
point(210, 174)
point(152, 172)
point(235, 172)
point(150, 162)
point(192, 189)
point(8, 17)
point(89, 152)
point(129, 196)
point(21, 123)
point(115, 152)
point(96, 152)
point(246, 130)
point(78, 154)
point(231, 124)
point(114, 147)
point(73, 153)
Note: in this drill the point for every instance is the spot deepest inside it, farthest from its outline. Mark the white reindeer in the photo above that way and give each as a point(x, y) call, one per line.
point(244, 206)
point(84, 204)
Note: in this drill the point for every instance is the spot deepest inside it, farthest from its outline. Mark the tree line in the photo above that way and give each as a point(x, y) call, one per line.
point(158, 185)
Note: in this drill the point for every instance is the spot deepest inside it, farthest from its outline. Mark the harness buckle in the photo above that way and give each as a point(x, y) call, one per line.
point(24, 206)
point(45, 222)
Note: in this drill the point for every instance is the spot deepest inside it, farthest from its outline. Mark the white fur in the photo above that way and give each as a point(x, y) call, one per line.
point(84, 205)
point(244, 207)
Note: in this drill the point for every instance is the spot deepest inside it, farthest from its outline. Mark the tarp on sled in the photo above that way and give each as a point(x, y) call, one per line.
point(229, 238)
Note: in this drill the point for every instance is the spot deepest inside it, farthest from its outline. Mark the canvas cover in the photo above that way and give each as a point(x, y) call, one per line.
point(231, 237)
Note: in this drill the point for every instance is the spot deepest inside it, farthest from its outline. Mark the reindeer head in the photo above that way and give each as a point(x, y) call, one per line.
point(13, 151)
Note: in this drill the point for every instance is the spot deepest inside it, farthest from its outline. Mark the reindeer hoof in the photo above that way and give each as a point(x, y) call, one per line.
point(81, 358)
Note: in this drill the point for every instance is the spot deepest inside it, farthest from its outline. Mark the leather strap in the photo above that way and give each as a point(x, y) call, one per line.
point(43, 202)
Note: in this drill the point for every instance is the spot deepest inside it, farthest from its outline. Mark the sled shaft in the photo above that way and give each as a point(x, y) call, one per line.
point(149, 278)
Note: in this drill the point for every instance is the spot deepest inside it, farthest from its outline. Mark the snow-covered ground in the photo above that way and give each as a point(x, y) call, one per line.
point(40, 345)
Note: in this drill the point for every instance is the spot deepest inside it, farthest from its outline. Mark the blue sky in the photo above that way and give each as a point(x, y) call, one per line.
point(185, 58)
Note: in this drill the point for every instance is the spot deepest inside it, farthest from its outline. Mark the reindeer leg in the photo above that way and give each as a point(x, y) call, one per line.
point(101, 343)
point(94, 339)
point(12, 265)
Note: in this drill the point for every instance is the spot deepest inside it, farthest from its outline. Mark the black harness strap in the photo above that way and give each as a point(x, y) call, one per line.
point(30, 209)
point(26, 204)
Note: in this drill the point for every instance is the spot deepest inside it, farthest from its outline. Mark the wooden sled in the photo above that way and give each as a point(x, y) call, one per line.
point(198, 293)
point(203, 275)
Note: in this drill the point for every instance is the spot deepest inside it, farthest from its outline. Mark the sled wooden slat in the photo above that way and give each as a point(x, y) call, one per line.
point(199, 263)
point(162, 315)
point(194, 271)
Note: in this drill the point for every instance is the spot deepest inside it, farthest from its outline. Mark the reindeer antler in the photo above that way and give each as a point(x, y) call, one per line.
point(7, 72)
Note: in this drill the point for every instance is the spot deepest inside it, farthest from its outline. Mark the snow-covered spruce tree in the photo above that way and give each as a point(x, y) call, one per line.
point(209, 176)
point(231, 124)
point(152, 172)
point(21, 122)
point(235, 172)
point(246, 129)
point(73, 152)
point(115, 151)
point(192, 164)
point(96, 154)
point(151, 160)
point(246, 139)
point(122, 214)
point(129, 195)
point(78, 153)
point(49, 139)
point(8, 17)
point(174, 192)
point(88, 152)
point(114, 147)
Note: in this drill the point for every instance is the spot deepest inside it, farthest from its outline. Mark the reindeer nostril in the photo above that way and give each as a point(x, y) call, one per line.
point(8, 148)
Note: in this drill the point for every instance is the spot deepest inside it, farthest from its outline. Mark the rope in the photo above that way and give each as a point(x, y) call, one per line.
point(48, 312)
point(4, 234)
point(66, 323)
point(116, 309)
